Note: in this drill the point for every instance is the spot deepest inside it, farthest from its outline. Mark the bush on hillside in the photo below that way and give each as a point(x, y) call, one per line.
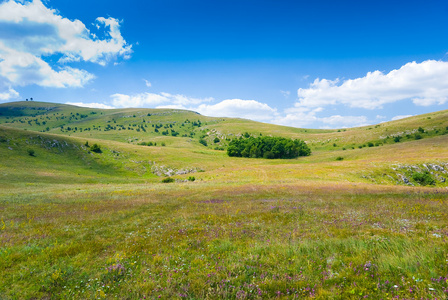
point(96, 148)
point(168, 180)
point(424, 178)
point(268, 147)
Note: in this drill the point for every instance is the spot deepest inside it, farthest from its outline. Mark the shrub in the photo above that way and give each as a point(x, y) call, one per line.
point(203, 142)
point(421, 130)
point(191, 178)
point(370, 144)
point(96, 148)
point(30, 152)
point(163, 144)
point(216, 140)
point(424, 178)
point(417, 136)
point(167, 180)
point(339, 158)
point(397, 139)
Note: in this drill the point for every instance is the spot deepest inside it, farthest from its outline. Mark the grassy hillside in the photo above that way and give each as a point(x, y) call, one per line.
point(353, 220)
point(364, 154)
point(161, 125)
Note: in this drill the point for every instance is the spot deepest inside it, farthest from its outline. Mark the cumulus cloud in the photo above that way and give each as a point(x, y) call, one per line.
point(424, 83)
point(345, 121)
point(32, 34)
point(237, 108)
point(153, 99)
point(90, 105)
point(298, 116)
point(8, 94)
point(401, 117)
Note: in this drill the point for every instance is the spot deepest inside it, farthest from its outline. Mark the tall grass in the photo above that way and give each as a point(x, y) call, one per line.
point(246, 242)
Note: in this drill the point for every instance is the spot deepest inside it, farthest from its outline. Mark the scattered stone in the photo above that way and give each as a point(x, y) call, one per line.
point(436, 167)
point(405, 180)
point(168, 171)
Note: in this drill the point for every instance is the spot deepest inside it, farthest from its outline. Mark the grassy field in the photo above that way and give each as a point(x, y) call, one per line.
point(342, 223)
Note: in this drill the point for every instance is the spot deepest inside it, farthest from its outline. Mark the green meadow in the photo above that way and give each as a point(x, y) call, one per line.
point(365, 216)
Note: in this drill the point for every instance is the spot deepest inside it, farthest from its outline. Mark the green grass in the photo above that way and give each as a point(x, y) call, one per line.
point(75, 224)
point(223, 242)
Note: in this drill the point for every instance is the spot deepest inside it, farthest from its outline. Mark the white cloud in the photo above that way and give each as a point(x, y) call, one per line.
point(9, 94)
point(152, 100)
point(338, 121)
point(303, 116)
point(32, 33)
point(90, 105)
point(297, 116)
point(147, 83)
point(237, 108)
point(401, 117)
point(424, 83)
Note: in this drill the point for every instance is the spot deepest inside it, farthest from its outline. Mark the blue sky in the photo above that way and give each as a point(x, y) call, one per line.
point(313, 64)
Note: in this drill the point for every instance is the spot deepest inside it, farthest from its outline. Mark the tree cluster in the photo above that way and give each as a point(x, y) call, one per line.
point(268, 147)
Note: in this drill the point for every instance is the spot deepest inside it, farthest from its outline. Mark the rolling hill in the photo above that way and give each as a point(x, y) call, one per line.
point(144, 144)
point(365, 215)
